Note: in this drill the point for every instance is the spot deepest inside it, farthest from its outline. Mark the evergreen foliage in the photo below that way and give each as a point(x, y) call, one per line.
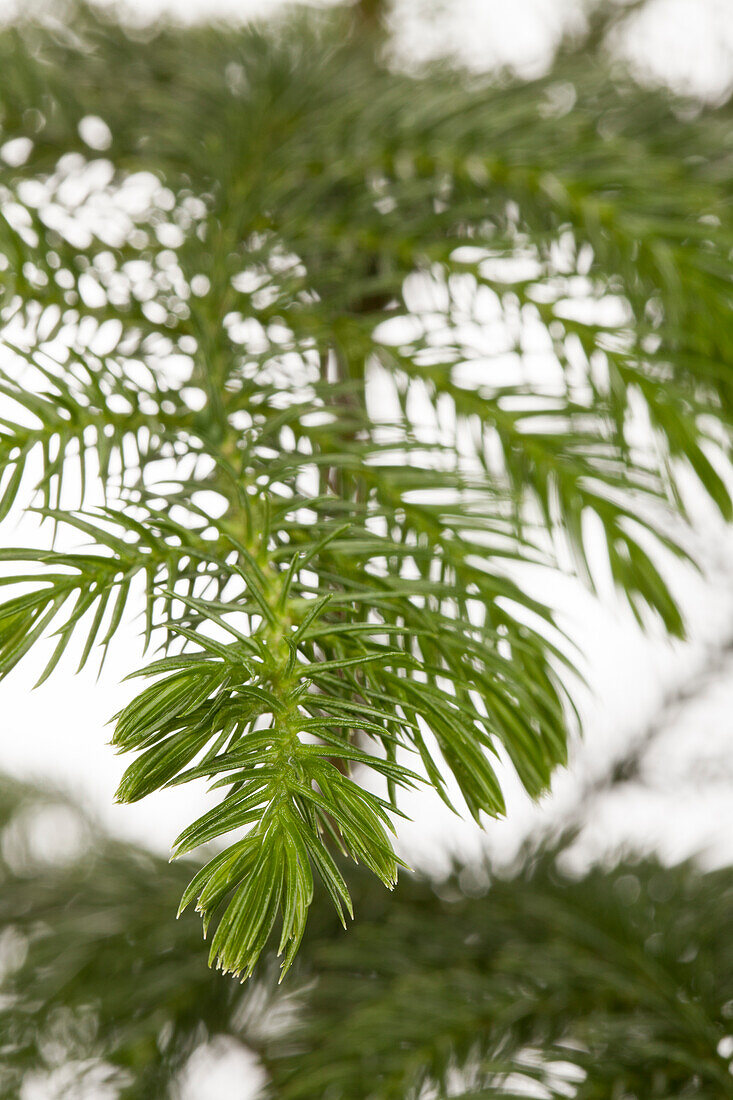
point(619, 982)
point(330, 522)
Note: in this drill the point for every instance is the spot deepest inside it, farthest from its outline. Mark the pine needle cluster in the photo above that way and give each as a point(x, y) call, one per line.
point(429, 329)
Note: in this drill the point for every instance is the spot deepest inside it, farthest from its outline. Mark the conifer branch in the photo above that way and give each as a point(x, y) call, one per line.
point(336, 580)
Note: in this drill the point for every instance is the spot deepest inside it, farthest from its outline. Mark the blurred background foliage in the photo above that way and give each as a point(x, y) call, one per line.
point(528, 982)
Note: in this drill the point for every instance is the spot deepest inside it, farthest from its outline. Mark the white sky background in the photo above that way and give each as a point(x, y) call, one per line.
point(59, 731)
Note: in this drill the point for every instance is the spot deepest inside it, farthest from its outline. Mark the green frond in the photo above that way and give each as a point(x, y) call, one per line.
point(345, 349)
